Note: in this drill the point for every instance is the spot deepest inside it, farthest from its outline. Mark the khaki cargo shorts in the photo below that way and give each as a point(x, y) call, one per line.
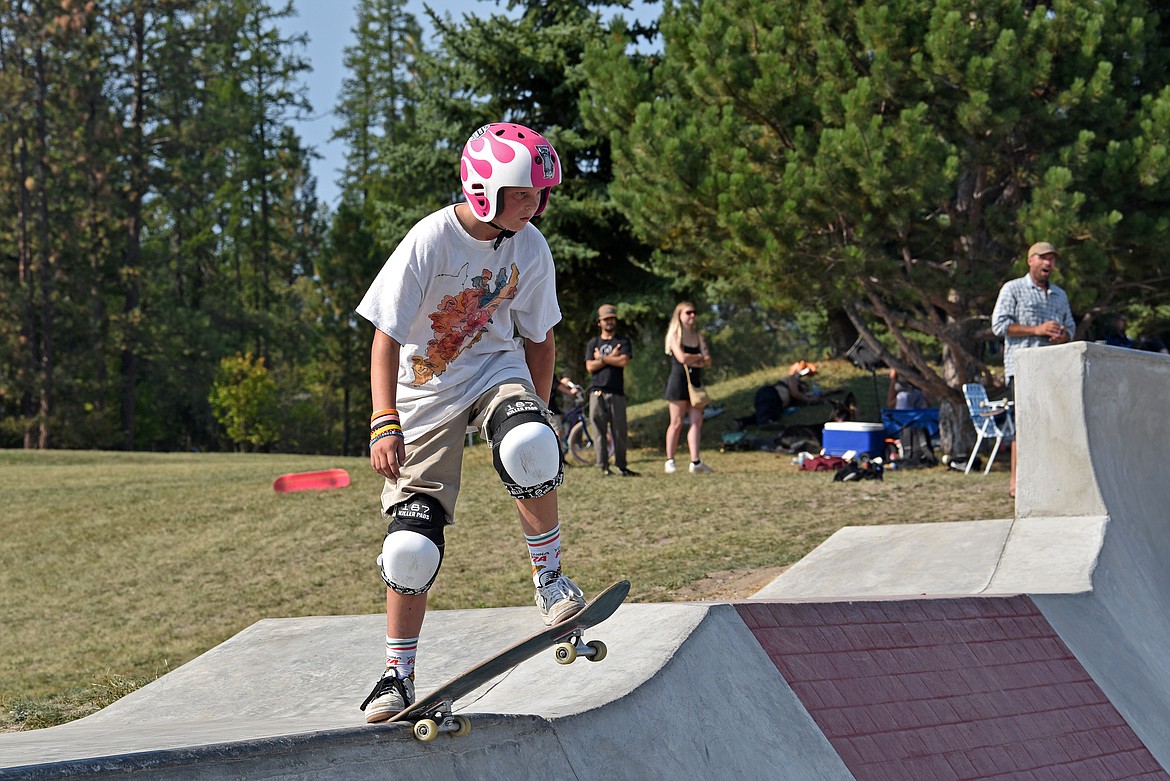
point(434, 461)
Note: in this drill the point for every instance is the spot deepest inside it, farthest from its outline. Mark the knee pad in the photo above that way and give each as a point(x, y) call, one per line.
point(525, 449)
point(413, 549)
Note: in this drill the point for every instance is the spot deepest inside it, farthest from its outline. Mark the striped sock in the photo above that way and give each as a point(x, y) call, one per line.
point(545, 550)
point(400, 653)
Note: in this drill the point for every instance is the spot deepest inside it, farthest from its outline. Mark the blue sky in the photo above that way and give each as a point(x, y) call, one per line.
point(328, 24)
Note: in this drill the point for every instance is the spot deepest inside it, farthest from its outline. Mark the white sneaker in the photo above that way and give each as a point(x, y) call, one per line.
point(557, 597)
point(700, 468)
point(391, 695)
point(670, 467)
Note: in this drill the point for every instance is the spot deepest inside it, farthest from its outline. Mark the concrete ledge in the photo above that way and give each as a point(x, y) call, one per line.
point(1024, 556)
point(1050, 556)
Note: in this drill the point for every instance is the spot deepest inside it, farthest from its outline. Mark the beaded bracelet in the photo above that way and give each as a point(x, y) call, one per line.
point(385, 434)
point(389, 427)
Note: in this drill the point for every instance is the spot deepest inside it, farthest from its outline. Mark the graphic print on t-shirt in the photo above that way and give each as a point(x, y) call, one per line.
point(461, 320)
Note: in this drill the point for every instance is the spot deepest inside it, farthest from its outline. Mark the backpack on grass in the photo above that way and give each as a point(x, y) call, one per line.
point(916, 449)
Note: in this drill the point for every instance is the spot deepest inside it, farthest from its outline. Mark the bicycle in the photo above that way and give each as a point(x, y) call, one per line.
point(574, 432)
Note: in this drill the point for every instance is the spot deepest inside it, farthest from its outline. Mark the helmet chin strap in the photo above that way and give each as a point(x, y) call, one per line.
point(504, 234)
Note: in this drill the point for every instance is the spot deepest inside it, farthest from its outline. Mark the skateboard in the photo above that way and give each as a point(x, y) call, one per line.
point(311, 481)
point(433, 714)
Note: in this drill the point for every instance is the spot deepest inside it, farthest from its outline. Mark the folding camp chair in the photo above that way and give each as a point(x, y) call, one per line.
point(991, 419)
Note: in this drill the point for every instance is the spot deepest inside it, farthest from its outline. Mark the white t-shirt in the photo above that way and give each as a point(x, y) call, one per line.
point(457, 306)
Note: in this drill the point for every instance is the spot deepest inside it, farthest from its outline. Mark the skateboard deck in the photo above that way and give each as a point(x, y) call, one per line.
point(432, 714)
point(311, 481)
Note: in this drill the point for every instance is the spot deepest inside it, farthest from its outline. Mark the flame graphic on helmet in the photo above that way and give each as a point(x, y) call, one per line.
point(504, 154)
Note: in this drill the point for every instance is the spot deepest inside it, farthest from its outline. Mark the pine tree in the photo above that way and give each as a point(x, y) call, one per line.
point(896, 160)
point(525, 67)
point(53, 186)
point(147, 149)
point(375, 107)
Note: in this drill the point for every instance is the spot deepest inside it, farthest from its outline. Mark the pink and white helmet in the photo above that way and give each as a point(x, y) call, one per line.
point(504, 154)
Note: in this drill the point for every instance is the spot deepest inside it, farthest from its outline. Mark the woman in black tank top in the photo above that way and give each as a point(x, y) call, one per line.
point(688, 352)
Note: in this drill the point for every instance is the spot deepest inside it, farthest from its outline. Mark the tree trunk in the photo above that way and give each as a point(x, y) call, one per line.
point(956, 434)
point(44, 266)
point(132, 259)
point(842, 334)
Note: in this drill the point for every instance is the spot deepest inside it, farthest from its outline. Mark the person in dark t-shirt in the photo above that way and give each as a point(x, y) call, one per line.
point(606, 357)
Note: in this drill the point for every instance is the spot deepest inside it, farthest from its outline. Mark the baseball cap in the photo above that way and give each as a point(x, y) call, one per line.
point(606, 310)
point(1041, 248)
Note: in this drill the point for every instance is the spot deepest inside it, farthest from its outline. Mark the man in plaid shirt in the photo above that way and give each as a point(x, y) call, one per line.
point(1031, 312)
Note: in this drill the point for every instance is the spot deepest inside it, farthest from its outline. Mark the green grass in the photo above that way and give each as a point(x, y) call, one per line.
point(117, 567)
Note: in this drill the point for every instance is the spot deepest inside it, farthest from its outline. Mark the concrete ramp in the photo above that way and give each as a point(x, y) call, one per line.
point(1090, 542)
point(1095, 425)
point(280, 700)
point(907, 689)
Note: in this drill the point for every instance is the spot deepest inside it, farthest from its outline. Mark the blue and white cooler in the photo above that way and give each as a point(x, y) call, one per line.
point(839, 438)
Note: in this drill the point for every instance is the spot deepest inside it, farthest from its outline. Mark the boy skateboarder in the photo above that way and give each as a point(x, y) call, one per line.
point(447, 308)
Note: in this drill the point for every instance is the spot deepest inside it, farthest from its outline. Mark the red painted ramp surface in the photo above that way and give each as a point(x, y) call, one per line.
point(976, 688)
point(311, 481)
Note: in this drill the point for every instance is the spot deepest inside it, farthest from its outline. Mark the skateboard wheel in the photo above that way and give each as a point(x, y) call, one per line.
point(599, 650)
point(463, 726)
point(565, 653)
point(426, 730)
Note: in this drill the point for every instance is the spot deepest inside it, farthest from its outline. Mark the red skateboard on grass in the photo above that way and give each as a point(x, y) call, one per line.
point(311, 481)
point(433, 714)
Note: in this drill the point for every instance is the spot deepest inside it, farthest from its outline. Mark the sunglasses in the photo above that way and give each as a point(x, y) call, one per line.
point(689, 312)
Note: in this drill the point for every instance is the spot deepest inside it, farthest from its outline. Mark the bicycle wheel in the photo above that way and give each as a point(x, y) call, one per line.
point(581, 444)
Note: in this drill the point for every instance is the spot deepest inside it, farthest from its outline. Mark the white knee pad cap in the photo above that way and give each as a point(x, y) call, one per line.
point(409, 562)
point(531, 454)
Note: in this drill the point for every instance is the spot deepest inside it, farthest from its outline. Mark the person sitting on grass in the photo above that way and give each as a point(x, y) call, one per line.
point(771, 401)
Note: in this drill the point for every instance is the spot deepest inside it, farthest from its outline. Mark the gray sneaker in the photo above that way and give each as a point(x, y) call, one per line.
point(391, 695)
point(557, 597)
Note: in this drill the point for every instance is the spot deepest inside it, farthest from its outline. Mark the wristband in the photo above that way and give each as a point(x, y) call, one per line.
point(383, 420)
point(389, 428)
point(385, 434)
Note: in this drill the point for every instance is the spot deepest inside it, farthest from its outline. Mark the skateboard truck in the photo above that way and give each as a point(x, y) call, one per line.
point(567, 650)
point(441, 719)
